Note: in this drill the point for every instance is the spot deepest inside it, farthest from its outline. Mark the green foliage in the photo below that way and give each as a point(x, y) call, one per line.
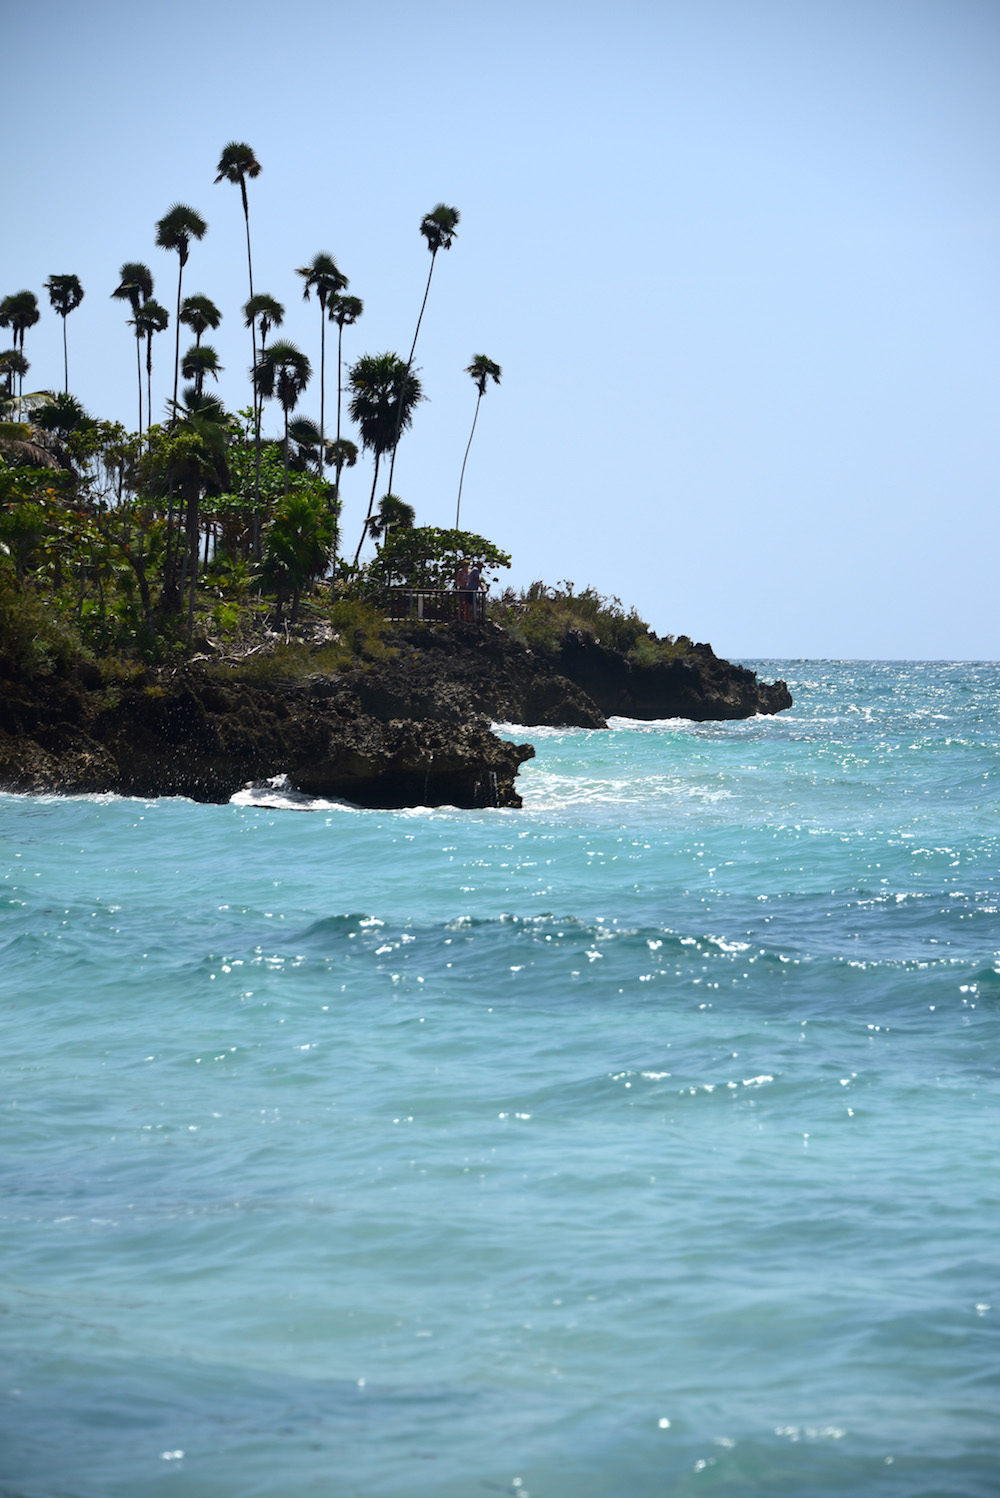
point(384, 393)
point(34, 640)
point(541, 617)
point(425, 556)
point(63, 414)
point(298, 542)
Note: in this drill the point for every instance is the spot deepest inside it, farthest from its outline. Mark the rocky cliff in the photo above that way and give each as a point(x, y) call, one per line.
point(410, 729)
point(449, 673)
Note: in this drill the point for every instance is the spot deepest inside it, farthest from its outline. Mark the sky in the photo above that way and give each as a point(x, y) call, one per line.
point(737, 259)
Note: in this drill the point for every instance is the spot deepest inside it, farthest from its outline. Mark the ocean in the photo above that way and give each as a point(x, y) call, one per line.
point(640, 1142)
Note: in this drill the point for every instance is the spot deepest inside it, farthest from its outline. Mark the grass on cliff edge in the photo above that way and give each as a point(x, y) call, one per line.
point(41, 636)
point(541, 617)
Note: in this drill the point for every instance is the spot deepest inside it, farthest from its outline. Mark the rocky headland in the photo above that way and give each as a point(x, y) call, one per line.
point(408, 729)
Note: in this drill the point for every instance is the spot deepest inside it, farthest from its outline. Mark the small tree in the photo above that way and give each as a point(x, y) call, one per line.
point(428, 557)
point(297, 548)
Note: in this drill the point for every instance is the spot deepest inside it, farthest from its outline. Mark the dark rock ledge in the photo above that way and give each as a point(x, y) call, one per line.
point(412, 730)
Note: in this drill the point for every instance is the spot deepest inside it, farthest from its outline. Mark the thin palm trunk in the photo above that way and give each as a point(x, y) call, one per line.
point(258, 404)
point(177, 339)
point(138, 370)
point(253, 341)
point(340, 461)
point(65, 358)
point(465, 460)
point(371, 506)
point(286, 447)
point(322, 389)
point(149, 380)
point(409, 364)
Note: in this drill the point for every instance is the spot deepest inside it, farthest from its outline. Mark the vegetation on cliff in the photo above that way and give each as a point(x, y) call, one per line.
point(202, 526)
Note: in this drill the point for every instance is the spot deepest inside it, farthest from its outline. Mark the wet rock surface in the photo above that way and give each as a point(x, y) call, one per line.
point(409, 730)
point(187, 735)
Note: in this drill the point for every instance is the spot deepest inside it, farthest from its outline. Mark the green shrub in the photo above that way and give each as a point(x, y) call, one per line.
point(541, 617)
point(34, 639)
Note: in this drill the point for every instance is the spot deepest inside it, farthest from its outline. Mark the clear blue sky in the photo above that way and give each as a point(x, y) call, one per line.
point(737, 258)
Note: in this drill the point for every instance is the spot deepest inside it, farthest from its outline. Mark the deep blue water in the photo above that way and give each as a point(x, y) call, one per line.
point(642, 1142)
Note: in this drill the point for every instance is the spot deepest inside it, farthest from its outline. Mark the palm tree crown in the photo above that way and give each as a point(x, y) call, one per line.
point(135, 284)
point(345, 310)
point(13, 365)
point(200, 314)
point(482, 371)
point(152, 317)
point(176, 229)
point(199, 361)
point(19, 312)
point(236, 164)
point(323, 277)
point(383, 390)
point(265, 312)
point(439, 227)
point(283, 371)
point(65, 293)
point(393, 514)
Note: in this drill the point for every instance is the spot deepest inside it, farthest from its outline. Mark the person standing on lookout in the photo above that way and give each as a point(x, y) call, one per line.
point(476, 590)
point(462, 586)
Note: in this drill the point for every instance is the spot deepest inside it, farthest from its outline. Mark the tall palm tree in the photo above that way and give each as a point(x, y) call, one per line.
point(175, 231)
point(19, 312)
point(284, 371)
point(65, 294)
point(151, 318)
point(199, 361)
point(344, 311)
point(482, 371)
point(135, 286)
point(439, 228)
point(13, 365)
point(384, 393)
point(260, 313)
point(201, 315)
point(236, 164)
point(323, 277)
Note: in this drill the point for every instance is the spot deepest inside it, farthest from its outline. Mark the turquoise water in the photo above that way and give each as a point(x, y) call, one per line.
point(639, 1142)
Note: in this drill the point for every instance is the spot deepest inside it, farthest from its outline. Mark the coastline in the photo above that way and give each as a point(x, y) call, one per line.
point(411, 729)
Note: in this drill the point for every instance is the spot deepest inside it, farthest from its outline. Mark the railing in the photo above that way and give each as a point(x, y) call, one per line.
point(434, 605)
